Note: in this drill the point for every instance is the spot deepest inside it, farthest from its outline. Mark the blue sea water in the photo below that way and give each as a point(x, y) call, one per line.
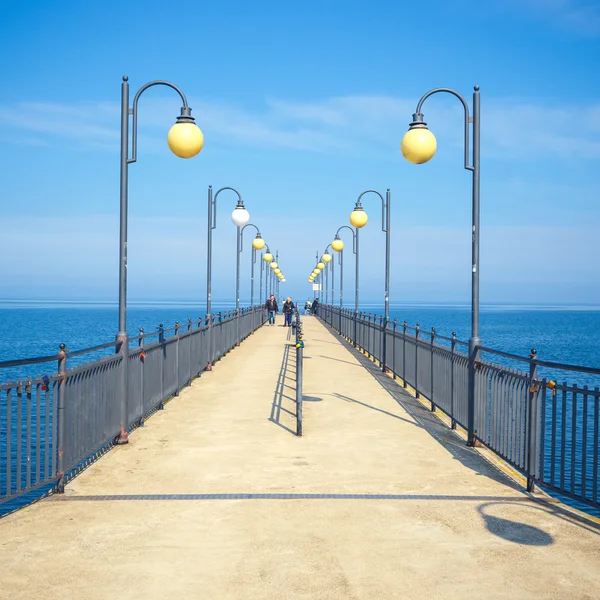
point(569, 334)
point(566, 334)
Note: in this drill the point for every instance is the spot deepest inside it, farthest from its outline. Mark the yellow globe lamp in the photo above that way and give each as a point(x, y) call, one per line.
point(418, 144)
point(276, 271)
point(326, 257)
point(321, 266)
point(273, 265)
point(337, 244)
point(316, 272)
point(358, 217)
point(310, 281)
point(258, 243)
point(185, 138)
point(268, 257)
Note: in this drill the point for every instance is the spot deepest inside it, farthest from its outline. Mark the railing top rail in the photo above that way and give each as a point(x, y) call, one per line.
point(182, 327)
point(509, 355)
point(29, 361)
point(91, 349)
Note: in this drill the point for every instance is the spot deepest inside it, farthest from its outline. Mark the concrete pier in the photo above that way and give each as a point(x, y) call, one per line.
point(217, 498)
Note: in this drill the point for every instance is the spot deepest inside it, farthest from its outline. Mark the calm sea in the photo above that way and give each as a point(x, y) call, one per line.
point(569, 334)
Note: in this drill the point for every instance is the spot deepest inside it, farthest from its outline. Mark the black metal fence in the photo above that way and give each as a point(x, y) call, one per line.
point(52, 426)
point(542, 425)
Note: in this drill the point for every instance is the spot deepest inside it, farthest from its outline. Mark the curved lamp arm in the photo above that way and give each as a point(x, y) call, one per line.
point(337, 233)
point(418, 117)
point(186, 111)
point(242, 234)
point(214, 203)
point(384, 224)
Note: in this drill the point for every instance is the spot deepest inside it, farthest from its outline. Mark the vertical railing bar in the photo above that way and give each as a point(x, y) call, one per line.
point(28, 435)
point(47, 431)
point(417, 331)
point(573, 437)
point(404, 384)
point(542, 437)
point(9, 423)
point(18, 465)
point(38, 437)
point(596, 442)
point(452, 369)
point(584, 442)
point(563, 441)
point(553, 441)
point(431, 399)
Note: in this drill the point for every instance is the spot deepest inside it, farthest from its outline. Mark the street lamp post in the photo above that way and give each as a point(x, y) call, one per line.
point(240, 217)
point(326, 258)
point(418, 146)
point(262, 264)
point(338, 246)
point(358, 218)
point(185, 140)
point(257, 244)
point(267, 258)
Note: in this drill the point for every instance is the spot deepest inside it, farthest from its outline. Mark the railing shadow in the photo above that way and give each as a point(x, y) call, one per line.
point(288, 366)
point(379, 410)
point(468, 457)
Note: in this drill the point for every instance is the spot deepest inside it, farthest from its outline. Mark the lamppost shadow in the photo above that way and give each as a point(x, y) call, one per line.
point(514, 531)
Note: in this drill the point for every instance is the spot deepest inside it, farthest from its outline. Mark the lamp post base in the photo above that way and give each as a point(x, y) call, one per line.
point(122, 438)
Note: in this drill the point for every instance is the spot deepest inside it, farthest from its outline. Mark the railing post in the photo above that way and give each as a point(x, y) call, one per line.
point(142, 357)
point(394, 350)
point(190, 352)
point(161, 341)
point(177, 358)
point(384, 345)
point(61, 408)
point(534, 387)
point(417, 331)
point(299, 374)
point(405, 328)
point(452, 361)
point(209, 341)
point(431, 380)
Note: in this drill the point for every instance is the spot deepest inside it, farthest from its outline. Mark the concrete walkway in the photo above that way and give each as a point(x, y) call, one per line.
point(216, 498)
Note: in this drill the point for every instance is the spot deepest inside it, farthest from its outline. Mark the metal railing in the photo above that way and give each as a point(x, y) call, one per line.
point(299, 371)
point(52, 426)
point(545, 427)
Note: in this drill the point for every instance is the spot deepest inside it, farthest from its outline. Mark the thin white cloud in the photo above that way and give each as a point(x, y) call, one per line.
point(512, 128)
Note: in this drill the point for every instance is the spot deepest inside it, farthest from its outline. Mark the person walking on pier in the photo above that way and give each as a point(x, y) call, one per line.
point(272, 308)
point(288, 309)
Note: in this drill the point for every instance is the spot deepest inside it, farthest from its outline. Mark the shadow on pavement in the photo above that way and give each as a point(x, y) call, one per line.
point(287, 364)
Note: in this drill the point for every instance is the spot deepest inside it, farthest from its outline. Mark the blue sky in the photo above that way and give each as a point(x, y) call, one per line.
point(303, 107)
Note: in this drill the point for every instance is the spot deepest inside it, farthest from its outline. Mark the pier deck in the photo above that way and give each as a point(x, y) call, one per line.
point(217, 498)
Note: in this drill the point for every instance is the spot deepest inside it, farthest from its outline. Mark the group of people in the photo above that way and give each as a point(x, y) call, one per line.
point(273, 309)
point(288, 309)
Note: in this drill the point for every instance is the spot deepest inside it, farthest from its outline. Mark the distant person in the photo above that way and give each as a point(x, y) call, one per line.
point(272, 308)
point(315, 305)
point(288, 309)
point(307, 305)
